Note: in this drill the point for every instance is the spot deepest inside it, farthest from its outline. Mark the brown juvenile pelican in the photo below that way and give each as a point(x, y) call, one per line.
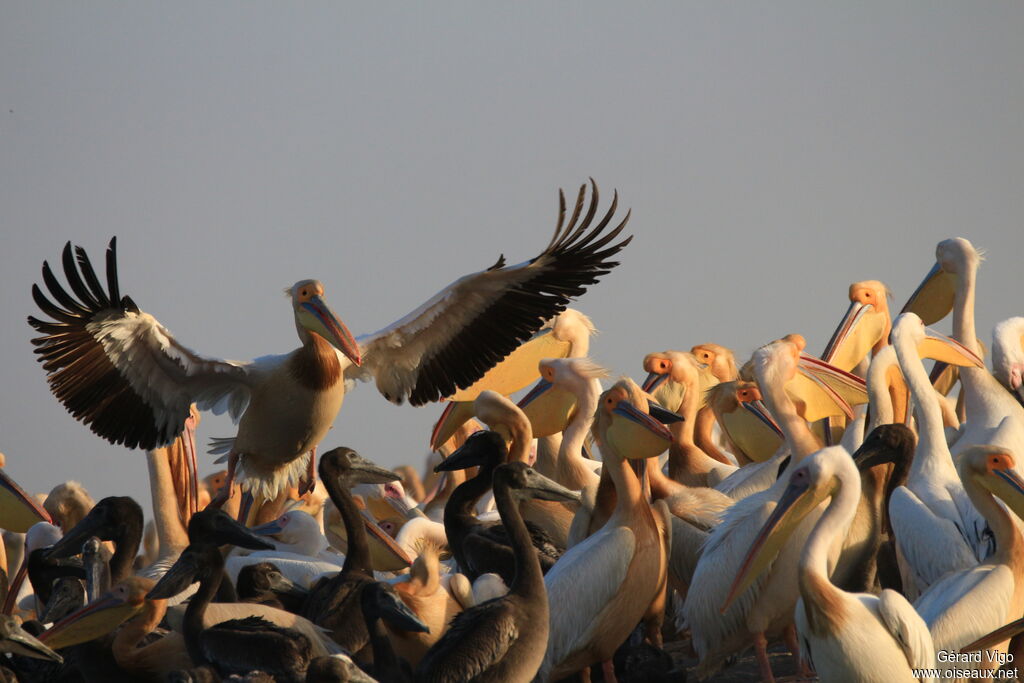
point(100, 343)
point(502, 639)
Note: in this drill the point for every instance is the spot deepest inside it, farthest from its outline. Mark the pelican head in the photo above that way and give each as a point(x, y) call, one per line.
point(104, 521)
point(933, 298)
point(576, 328)
point(345, 464)
point(215, 526)
point(526, 482)
point(669, 373)
point(480, 448)
point(15, 639)
point(551, 403)
point(632, 424)
point(865, 327)
point(812, 481)
point(101, 616)
point(993, 468)
point(720, 359)
point(313, 315)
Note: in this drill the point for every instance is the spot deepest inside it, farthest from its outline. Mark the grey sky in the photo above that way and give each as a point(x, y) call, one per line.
point(772, 154)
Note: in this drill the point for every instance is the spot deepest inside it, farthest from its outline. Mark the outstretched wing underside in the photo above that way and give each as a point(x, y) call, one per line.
point(465, 329)
point(116, 368)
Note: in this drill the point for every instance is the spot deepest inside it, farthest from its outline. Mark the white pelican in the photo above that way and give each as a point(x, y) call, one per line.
point(994, 416)
point(748, 431)
point(600, 589)
point(865, 327)
point(967, 604)
point(845, 636)
point(1008, 355)
point(581, 378)
point(937, 529)
point(719, 360)
point(100, 343)
point(766, 609)
point(687, 463)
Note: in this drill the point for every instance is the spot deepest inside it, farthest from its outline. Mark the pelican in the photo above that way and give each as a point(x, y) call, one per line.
point(865, 327)
point(995, 417)
point(719, 360)
point(600, 589)
point(937, 529)
point(16, 640)
point(502, 639)
point(100, 342)
point(747, 428)
point(964, 605)
point(431, 596)
point(845, 636)
point(580, 377)
point(1008, 355)
point(766, 609)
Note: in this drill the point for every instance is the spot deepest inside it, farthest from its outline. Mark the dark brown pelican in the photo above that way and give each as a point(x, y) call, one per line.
point(502, 639)
point(481, 547)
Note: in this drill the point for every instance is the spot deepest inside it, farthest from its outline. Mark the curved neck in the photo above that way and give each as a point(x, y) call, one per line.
point(628, 488)
point(208, 585)
point(571, 469)
point(703, 436)
point(1009, 545)
point(834, 523)
point(963, 307)
point(879, 398)
point(385, 664)
point(798, 435)
point(932, 450)
point(528, 579)
point(357, 555)
point(458, 511)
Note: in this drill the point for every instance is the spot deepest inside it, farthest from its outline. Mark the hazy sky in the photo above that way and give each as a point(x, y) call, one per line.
point(772, 154)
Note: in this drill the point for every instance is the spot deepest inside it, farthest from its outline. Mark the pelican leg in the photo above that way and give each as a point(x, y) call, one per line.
point(761, 650)
point(804, 671)
point(229, 483)
point(308, 483)
point(608, 669)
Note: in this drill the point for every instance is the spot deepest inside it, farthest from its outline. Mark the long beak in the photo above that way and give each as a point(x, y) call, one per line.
point(545, 489)
point(386, 554)
point(635, 434)
point(548, 408)
point(933, 299)
point(663, 415)
point(320, 318)
point(68, 595)
point(180, 576)
point(793, 506)
point(71, 543)
point(1010, 488)
point(947, 350)
point(398, 614)
point(270, 528)
point(468, 455)
point(653, 381)
point(18, 510)
point(454, 415)
point(282, 584)
point(1000, 635)
point(859, 330)
point(21, 642)
point(758, 409)
point(370, 472)
point(825, 389)
point(98, 618)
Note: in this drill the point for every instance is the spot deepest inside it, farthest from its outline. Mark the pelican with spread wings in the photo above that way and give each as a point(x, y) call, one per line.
point(118, 370)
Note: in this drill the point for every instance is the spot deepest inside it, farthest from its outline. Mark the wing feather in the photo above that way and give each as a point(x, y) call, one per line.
point(908, 628)
point(118, 369)
point(465, 329)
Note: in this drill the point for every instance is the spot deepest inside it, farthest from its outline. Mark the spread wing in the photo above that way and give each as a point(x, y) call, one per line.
point(116, 368)
point(465, 329)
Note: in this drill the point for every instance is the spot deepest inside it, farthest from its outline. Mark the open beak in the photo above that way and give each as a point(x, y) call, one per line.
point(825, 390)
point(317, 317)
point(759, 410)
point(98, 618)
point(398, 614)
point(548, 408)
point(860, 329)
point(753, 430)
point(635, 434)
point(1010, 488)
point(454, 415)
point(796, 501)
point(933, 299)
point(180, 576)
point(947, 350)
point(385, 554)
point(18, 510)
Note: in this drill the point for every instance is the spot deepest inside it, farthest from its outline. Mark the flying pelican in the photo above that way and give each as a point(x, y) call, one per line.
point(937, 529)
point(845, 636)
point(100, 343)
point(964, 605)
